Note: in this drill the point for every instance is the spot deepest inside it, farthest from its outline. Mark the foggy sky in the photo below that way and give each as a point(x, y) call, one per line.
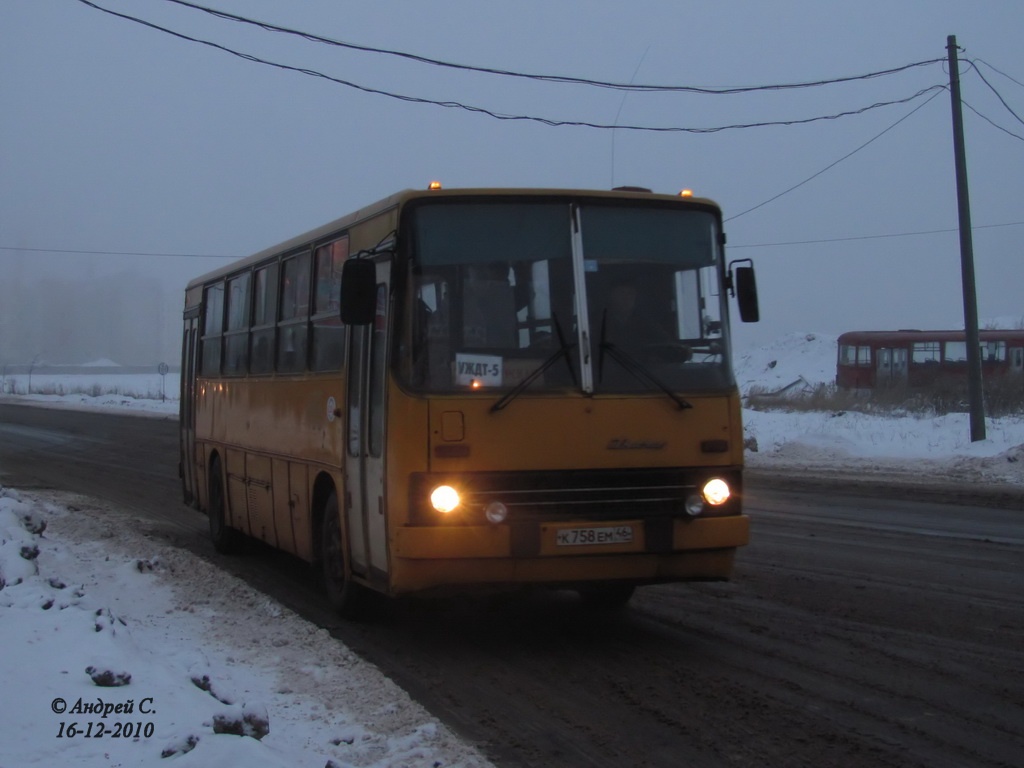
point(117, 137)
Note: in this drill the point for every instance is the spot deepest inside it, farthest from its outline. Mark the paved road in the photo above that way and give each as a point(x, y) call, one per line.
point(858, 630)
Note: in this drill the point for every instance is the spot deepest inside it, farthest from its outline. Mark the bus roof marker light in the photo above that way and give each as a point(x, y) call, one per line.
point(434, 185)
point(686, 193)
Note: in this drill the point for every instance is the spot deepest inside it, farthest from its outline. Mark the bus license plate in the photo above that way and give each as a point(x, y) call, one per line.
point(581, 537)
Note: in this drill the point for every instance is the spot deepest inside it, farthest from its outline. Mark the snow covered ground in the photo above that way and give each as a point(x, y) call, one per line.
point(914, 448)
point(86, 600)
point(119, 651)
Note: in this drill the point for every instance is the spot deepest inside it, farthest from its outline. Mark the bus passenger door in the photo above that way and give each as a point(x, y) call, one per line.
point(187, 419)
point(1017, 360)
point(364, 468)
point(883, 376)
point(892, 367)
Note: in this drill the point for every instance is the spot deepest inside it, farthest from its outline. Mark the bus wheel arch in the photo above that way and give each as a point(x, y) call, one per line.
point(225, 539)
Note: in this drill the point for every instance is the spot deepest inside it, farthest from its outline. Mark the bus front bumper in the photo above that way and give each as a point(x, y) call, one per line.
point(566, 552)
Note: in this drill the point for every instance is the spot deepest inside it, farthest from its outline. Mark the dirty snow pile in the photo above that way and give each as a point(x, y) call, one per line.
point(117, 651)
point(913, 447)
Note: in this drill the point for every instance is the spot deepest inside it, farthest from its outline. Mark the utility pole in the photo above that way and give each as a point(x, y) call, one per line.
point(974, 389)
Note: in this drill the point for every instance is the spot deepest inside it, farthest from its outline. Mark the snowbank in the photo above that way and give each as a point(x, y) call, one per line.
point(119, 651)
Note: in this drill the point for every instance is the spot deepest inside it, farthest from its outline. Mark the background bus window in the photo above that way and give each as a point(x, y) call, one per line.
point(328, 332)
point(294, 322)
point(993, 351)
point(236, 336)
point(851, 354)
point(956, 352)
point(213, 324)
point(925, 352)
point(264, 315)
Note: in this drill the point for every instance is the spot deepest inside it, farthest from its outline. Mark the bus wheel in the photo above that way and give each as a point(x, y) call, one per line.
point(225, 539)
point(606, 597)
point(342, 594)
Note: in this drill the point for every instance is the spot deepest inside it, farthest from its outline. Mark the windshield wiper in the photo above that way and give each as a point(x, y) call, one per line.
point(634, 366)
point(562, 351)
point(640, 371)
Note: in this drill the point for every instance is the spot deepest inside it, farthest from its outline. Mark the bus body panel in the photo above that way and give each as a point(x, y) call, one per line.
point(411, 576)
point(535, 433)
point(260, 435)
point(548, 435)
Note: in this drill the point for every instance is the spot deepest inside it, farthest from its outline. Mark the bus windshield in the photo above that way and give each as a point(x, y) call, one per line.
point(592, 295)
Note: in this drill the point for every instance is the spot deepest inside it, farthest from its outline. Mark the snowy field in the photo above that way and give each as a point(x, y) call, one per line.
point(88, 601)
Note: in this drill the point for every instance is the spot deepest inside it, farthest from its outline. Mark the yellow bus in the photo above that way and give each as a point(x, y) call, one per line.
point(476, 388)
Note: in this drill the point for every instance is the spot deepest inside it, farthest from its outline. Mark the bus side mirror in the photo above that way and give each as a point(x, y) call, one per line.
point(746, 295)
point(743, 285)
point(358, 292)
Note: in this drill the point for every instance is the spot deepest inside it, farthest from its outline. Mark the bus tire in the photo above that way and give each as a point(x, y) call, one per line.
point(342, 594)
point(225, 540)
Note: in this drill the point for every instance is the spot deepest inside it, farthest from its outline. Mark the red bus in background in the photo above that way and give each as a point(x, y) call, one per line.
point(918, 359)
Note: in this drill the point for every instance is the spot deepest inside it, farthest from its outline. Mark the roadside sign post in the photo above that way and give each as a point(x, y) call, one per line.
point(162, 369)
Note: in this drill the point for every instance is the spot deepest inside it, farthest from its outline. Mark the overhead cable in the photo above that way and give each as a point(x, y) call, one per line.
point(118, 253)
point(833, 165)
point(982, 61)
point(500, 115)
point(731, 247)
point(876, 237)
point(998, 95)
point(548, 78)
point(991, 122)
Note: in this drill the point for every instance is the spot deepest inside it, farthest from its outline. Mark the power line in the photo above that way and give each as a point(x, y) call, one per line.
point(990, 121)
point(502, 116)
point(833, 165)
point(876, 237)
point(119, 253)
point(755, 245)
point(982, 61)
point(869, 141)
point(548, 78)
point(998, 95)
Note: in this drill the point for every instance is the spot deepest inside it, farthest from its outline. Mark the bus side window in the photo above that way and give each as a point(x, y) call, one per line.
point(236, 334)
point(328, 331)
point(264, 318)
point(213, 326)
point(294, 323)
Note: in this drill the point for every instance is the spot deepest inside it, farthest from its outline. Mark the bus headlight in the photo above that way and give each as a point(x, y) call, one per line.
point(716, 491)
point(694, 504)
point(496, 512)
point(444, 499)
